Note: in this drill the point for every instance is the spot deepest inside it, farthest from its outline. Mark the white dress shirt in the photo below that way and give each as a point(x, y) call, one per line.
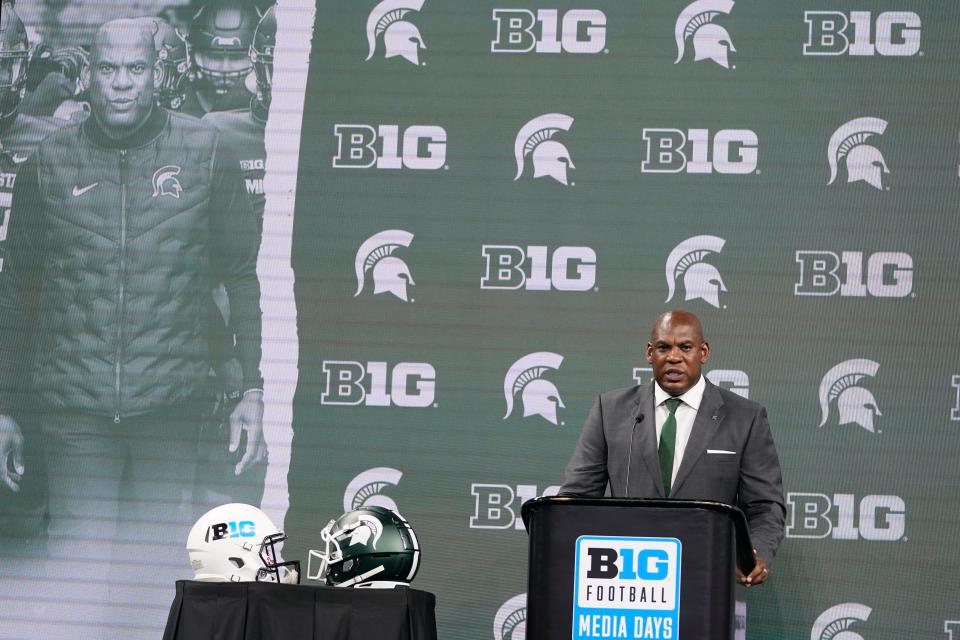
point(685, 415)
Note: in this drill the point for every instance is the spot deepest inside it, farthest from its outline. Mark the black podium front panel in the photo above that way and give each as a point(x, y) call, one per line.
point(261, 611)
point(675, 575)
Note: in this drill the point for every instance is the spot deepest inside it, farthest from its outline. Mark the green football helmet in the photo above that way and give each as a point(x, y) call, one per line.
point(367, 547)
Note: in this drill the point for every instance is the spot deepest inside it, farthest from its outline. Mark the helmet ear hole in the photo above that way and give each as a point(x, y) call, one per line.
point(237, 562)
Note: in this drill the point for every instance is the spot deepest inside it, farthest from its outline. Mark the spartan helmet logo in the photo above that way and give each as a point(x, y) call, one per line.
point(550, 158)
point(864, 161)
point(710, 41)
point(539, 396)
point(364, 490)
point(165, 182)
point(510, 623)
point(400, 37)
point(390, 274)
point(854, 404)
point(835, 622)
point(700, 280)
point(368, 531)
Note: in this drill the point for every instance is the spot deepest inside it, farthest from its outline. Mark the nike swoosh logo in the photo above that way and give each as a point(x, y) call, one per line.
point(19, 159)
point(77, 191)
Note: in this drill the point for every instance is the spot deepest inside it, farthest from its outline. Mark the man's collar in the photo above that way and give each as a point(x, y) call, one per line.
point(151, 128)
point(693, 396)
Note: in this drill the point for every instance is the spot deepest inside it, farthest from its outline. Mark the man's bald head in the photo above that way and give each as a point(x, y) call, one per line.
point(678, 316)
point(677, 351)
point(120, 76)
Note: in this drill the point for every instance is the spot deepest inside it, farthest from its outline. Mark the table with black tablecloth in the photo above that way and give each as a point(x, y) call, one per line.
point(263, 611)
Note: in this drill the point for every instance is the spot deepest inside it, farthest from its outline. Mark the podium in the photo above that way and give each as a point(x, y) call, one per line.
point(632, 568)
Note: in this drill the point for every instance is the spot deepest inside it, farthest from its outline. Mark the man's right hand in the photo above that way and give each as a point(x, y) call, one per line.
point(11, 453)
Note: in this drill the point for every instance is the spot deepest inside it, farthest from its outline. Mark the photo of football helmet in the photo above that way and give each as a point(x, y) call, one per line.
point(220, 38)
point(173, 63)
point(368, 547)
point(237, 543)
point(14, 58)
point(261, 54)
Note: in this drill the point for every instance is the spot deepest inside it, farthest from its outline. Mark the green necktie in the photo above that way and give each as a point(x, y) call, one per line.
point(668, 443)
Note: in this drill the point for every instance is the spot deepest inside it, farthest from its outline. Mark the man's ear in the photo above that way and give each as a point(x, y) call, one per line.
point(85, 77)
point(704, 352)
point(649, 353)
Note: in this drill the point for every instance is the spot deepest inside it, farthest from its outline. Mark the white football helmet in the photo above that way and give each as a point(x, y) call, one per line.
point(237, 543)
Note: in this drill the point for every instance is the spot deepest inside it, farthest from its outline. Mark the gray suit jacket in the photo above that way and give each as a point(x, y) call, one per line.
point(618, 446)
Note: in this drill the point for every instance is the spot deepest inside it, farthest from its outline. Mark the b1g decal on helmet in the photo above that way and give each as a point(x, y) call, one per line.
point(710, 40)
point(390, 273)
point(400, 36)
point(535, 139)
point(863, 161)
point(700, 279)
point(165, 182)
point(855, 404)
point(367, 547)
point(539, 396)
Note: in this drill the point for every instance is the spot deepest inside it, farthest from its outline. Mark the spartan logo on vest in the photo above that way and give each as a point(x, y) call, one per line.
point(863, 161)
point(362, 146)
point(523, 31)
point(390, 21)
point(538, 396)
point(710, 40)
point(508, 267)
point(700, 279)
point(350, 383)
point(510, 622)
point(877, 518)
point(730, 152)
point(832, 33)
point(885, 274)
point(366, 489)
point(535, 140)
point(855, 404)
point(390, 274)
point(835, 622)
point(165, 182)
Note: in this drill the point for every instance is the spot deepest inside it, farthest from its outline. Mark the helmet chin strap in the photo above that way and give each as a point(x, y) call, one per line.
point(361, 577)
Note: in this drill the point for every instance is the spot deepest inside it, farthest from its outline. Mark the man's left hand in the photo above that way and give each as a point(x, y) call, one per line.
point(759, 574)
point(248, 416)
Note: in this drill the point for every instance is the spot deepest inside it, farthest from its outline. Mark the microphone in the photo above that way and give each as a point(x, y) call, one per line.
point(626, 487)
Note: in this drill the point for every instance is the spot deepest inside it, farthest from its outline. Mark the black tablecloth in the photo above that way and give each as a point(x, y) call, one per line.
point(263, 611)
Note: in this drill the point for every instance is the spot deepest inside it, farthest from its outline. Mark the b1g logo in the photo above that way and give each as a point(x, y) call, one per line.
point(733, 380)
point(390, 273)
point(549, 31)
point(510, 622)
point(539, 396)
point(728, 152)
point(855, 404)
point(626, 588)
point(550, 157)
point(835, 33)
point(836, 622)
point(863, 161)
point(365, 490)
point(710, 40)
point(955, 412)
point(418, 147)
point(535, 268)
point(390, 20)
point(232, 529)
point(885, 274)
point(839, 517)
point(497, 506)
point(349, 383)
point(700, 279)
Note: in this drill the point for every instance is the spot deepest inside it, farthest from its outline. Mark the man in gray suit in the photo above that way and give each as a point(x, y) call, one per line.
point(683, 437)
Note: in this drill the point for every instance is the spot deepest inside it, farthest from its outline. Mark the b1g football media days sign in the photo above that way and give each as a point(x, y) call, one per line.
point(626, 587)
